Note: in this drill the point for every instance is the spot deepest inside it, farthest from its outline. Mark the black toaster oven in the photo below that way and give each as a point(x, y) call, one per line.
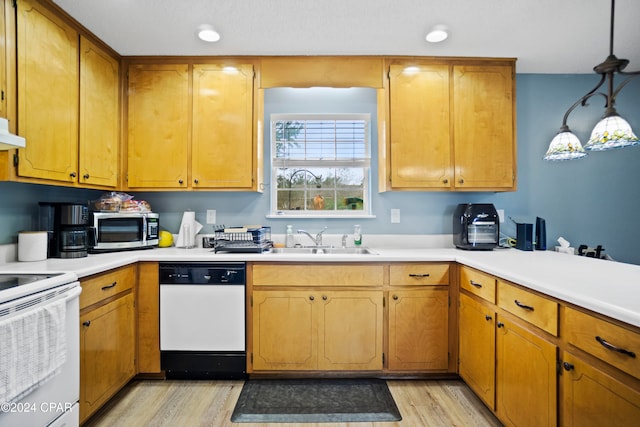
point(476, 226)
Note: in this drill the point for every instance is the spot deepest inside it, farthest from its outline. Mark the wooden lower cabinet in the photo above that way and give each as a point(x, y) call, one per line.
point(317, 330)
point(419, 329)
point(477, 348)
point(285, 329)
point(107, 352)
point(526, 378)
point(590, 397)
point(148, 318)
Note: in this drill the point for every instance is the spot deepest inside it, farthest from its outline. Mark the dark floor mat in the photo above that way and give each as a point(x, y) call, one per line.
point(313, 401)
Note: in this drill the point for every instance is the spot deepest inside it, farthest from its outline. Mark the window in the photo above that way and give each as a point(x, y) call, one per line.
point(320, 165)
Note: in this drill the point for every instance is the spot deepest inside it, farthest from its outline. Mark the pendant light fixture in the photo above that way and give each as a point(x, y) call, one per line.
point(612, 131)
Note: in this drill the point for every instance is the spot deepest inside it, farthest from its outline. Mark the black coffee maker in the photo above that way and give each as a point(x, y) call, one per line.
point(66, 225)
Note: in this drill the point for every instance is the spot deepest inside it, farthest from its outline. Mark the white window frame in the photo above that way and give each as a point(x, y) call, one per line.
point(363, 163)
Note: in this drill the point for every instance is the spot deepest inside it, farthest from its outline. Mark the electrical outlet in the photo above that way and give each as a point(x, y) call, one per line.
point(395, 216)
point(211, 216)
point(501, 214)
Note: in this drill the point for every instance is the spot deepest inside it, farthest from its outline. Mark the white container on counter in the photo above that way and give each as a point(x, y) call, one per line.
point(32, 246)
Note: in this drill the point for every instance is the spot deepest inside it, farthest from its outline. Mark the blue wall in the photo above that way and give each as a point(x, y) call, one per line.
point(594, 200)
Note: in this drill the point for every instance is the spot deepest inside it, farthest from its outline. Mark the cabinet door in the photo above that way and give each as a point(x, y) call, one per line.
point(99, 100)
point(47, 94)
point(484, 137)
point(159, 123)
point(419, 329)
point(148, 315)
point(107, 352)
point(526, 381)
point(222, 126)
point(592, 398)
point(5, 59)
point(285, 330)
point(350, 330)
point(477, 352)
point(419, 126)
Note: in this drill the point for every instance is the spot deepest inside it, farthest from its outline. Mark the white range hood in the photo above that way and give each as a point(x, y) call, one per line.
point(9, 141)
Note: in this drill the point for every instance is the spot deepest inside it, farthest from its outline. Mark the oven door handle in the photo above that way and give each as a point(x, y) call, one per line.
point(73, 293)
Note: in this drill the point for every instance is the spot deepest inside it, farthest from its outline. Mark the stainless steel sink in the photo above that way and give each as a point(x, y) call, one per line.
point(321, 250)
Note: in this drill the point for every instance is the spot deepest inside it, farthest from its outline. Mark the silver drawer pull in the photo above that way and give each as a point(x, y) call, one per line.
point(612, 347)
point(521, 305)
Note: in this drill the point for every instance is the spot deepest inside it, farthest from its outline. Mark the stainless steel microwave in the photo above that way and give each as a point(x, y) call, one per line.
point(119, 231)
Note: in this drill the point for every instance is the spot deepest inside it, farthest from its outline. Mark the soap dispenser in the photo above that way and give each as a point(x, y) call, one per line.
point(289, 239)
point(357, 235)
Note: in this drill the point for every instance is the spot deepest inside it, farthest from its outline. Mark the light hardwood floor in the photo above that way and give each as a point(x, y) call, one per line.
point(422, 403)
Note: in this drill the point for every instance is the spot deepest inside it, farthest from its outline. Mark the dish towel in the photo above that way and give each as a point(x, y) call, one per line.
point(33, 348)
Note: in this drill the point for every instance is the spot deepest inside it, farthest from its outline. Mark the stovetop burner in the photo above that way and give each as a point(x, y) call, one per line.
point(8, 281)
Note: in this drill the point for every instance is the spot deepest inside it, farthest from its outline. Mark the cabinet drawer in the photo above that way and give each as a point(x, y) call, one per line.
point(318, 274)
point(419, 274)
point(535, 309)
point(614, 344)
point(105, 285)
point(478, 283)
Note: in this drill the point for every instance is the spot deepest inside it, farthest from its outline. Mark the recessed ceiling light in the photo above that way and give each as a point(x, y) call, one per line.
point(207, 33)
point(437, 34)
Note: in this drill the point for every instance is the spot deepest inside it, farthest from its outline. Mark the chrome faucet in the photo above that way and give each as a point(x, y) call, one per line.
point(344, 240)
point(316, 240)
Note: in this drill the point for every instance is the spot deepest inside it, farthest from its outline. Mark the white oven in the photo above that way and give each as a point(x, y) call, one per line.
point(39, 350)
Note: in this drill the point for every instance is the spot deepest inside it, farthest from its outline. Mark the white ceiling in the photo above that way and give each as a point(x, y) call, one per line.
point(546, 36)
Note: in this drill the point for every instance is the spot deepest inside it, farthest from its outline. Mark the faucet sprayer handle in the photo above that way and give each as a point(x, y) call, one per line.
point(319, 237)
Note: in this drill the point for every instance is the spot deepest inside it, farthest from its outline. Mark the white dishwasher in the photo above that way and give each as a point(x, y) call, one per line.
point(202, 320)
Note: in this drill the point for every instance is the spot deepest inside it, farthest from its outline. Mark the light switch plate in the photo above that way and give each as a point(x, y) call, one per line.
point(501, 214)
point(395, 216)
point(211, 216)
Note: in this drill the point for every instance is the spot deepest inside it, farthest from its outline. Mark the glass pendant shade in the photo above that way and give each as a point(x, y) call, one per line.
point(565, 146)
point(611, 132)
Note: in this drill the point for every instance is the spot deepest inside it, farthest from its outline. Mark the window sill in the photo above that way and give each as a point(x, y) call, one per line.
point(316, 215)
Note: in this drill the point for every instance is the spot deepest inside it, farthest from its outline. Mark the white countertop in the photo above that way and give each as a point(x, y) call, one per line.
point(606, 287)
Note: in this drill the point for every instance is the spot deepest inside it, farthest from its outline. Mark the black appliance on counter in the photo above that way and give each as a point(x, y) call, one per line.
point(476, 226)
point(66, 225)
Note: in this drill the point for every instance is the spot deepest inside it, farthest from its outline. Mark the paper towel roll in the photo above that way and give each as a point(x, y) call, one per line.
point(32, 246)
point(189, 227)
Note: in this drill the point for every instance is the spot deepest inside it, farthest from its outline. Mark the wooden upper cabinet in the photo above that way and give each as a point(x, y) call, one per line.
point(223, 126)
point(4, 60)
point(321, 71)
point(419, 126)
point(99, 118)
point(451, 126)
point(47, 94)
point(484, 127)
point(158, 125)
